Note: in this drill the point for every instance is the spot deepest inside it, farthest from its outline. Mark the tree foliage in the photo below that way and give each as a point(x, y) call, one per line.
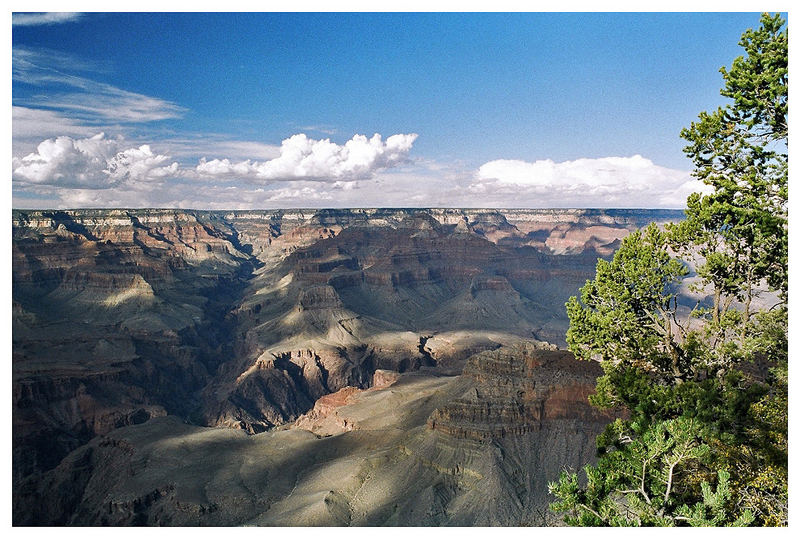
point(740, 152)
point(690, 326)
point(627, 314)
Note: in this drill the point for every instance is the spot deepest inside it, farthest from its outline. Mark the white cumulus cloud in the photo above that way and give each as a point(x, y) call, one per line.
point(103, 171)
point(93, 163)
point(303, 158)
point(605, 182)
point(140, 164)
point(224, 167)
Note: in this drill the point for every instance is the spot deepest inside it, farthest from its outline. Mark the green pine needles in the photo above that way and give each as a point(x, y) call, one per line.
point(690, 326)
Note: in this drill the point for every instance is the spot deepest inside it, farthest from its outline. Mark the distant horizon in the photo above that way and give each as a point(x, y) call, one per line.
point(275, 110)
point(488, 208)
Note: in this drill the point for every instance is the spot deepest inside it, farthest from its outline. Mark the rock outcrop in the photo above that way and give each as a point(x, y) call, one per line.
point(520, 390)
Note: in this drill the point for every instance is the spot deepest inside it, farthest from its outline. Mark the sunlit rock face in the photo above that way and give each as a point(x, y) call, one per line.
point(247, 319)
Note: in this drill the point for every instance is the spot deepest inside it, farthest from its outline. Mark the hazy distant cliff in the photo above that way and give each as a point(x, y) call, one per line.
point(246, 318)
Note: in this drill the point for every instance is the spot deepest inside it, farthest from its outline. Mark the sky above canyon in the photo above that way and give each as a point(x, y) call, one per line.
point(281, 110)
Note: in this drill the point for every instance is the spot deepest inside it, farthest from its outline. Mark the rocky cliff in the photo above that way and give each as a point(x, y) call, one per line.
point(246, 319)
point(517, 391)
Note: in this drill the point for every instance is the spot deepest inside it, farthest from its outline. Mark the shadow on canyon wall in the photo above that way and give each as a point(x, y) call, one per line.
point(132, 327)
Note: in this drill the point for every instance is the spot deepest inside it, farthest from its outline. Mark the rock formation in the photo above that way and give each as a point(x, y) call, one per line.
point(247, 319)
point(424, 450)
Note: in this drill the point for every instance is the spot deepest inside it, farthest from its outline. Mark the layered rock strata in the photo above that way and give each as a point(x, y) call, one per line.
point(383, 461)
point(246, 319)
point(519, 390)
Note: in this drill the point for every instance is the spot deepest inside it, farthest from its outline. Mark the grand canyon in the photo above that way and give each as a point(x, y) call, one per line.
point(300, 367)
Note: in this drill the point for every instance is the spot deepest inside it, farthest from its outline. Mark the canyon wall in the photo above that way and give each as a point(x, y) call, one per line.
point(417, 449)
point(246, 319)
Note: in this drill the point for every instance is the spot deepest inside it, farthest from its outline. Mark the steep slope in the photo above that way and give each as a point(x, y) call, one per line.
point(116, 320)
point(388, 460)
point(395, 293)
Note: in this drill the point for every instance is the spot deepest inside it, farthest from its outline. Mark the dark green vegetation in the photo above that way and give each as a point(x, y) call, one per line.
point(701, 370)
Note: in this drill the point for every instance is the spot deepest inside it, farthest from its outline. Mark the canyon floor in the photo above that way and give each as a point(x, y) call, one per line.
point(300, 367)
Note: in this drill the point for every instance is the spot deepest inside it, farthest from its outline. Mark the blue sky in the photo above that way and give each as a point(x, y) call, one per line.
point(263, 110)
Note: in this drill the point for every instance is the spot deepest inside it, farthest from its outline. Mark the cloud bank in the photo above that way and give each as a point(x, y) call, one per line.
point(605, 182)
point(99, 171)
point(99, 162)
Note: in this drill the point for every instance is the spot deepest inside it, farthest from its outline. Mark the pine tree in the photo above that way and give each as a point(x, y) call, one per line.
point(705, 439)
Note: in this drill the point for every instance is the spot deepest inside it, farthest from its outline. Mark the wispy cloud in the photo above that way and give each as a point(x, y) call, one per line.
point(29, 64)
point(213, 145)
point(32, 125)
point(104, 103)
point(39, 19)
point(324, 129)
point(78, 96)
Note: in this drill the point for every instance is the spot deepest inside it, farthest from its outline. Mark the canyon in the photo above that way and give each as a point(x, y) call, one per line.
point(300, 367)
